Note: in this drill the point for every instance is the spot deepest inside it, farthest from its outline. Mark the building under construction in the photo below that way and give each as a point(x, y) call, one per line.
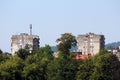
point(20, 41)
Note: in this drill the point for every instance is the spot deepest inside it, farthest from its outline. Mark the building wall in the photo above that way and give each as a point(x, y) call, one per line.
point(20, 41)
point(90, 43)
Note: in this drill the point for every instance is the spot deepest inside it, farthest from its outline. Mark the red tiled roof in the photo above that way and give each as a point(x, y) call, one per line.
point(83, 57)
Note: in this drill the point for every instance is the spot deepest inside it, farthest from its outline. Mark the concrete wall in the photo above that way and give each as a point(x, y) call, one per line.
point(20, 41)
point(90, 43)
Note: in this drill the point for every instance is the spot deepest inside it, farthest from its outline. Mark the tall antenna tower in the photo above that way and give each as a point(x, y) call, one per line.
point(30, 29)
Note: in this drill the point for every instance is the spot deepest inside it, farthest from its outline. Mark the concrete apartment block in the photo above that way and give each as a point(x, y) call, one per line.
point(20, 41)
point(90, 43)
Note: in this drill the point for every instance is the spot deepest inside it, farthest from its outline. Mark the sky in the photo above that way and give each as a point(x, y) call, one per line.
point(51, 18)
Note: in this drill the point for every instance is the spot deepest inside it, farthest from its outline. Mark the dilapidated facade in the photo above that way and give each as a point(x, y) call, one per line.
point(90, 43)
point(20, 41)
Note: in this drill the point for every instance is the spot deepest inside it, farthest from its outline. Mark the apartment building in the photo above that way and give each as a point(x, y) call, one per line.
point(20, 41)
point(90, 43)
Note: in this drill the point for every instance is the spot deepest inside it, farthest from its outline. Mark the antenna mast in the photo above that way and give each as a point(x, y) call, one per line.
point(30, 29)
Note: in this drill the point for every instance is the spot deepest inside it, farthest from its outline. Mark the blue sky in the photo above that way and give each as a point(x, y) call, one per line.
point(51, 18)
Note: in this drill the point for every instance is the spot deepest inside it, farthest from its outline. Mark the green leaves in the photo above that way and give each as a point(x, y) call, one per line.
point(66, 41)
point(103, 66)
point(32, 72)
point(62, 69)
point(106, 67)
point(85, 70)
point(23, 53)
point(11, 69)
point(41, 65)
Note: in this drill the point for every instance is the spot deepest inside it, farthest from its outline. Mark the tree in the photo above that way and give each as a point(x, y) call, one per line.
point(107, 67)
point(85, 70)
point(22, 53)
point(35, 64)
point(62, 68)
point(32, 72)
point(45, 52)
point(66, 42)
point(33, 69)
point(54, 70)
point(11, 69)
point(1, 51)
point(3, 57)
point(45, 57)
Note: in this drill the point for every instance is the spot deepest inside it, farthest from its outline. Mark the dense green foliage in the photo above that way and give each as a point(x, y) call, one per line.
point(41, 65)
point(66, 42)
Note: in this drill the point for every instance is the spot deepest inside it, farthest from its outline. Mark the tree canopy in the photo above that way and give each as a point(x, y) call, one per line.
point(41, 65)
point(66, 42)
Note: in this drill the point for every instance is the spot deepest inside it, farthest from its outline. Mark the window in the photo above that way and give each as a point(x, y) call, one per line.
point(91, 40)
point(84, 52)
point(91, 36)
point(91, 46)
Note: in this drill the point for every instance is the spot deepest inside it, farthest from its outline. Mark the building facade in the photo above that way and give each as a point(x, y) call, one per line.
point(20, 41)
point(90, 43)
